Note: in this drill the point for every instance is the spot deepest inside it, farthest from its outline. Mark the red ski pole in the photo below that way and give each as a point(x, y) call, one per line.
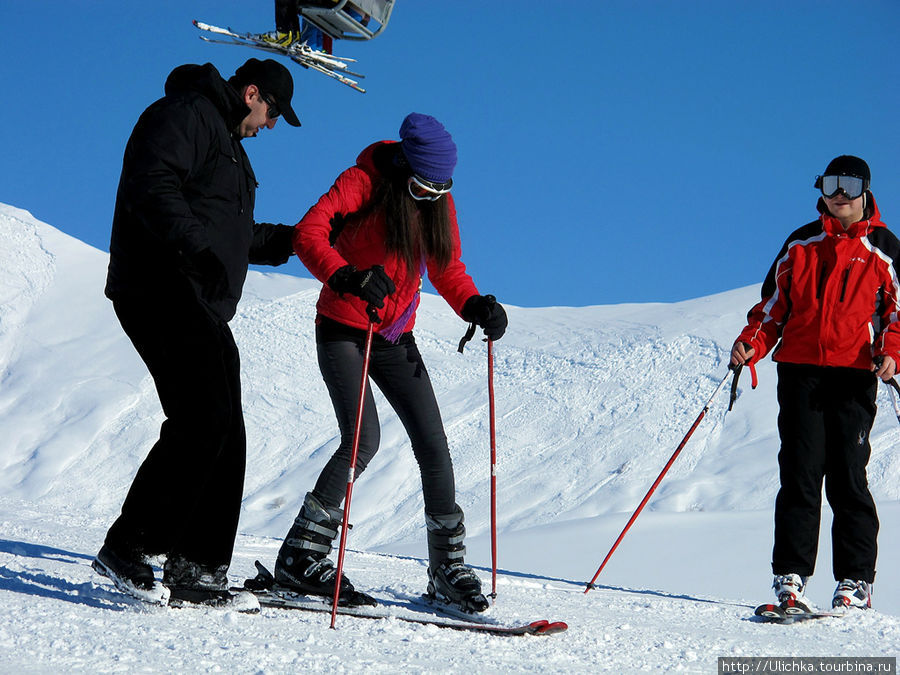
point(657, 482)
point(490, 346)
point(352, 472)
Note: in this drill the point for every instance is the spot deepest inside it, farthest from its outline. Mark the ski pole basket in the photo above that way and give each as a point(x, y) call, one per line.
point(345, 20)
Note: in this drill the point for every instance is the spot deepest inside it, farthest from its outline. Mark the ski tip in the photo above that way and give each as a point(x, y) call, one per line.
point(765, 609)
point(545, 627)
point(770, 612)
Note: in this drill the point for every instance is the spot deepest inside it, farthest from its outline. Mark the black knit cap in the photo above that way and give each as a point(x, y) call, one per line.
point(848, 165)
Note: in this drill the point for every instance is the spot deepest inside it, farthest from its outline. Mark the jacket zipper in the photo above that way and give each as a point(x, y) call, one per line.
point(844, 284)
point(821, 284)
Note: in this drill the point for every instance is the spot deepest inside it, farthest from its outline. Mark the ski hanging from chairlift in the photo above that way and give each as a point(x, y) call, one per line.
point(323, 22)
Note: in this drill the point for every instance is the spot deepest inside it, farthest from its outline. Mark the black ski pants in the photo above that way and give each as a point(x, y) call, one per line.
point(400, 374)
point(287, 16)
point(186, 497)
point(824, 421)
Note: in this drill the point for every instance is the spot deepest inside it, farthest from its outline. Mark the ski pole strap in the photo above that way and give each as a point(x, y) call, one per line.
point(470, 333)
point(754, 381)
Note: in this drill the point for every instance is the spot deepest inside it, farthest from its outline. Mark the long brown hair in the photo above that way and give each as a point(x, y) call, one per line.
point(413, 227)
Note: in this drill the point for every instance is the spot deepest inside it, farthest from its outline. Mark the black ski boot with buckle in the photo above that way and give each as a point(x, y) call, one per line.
point(195, 584)
point(303, 566)
point(451, 582)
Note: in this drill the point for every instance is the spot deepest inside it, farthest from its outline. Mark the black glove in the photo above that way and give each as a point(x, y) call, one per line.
point(271, 244)
point(485, 311)
point(209, 273)
point(372, 285)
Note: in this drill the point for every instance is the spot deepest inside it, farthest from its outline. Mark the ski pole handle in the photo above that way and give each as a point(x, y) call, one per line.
point(736, 367)
point(372, 312)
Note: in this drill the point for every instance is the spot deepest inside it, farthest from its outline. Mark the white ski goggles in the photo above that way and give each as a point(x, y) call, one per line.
point(421, 189)
point(852, 186)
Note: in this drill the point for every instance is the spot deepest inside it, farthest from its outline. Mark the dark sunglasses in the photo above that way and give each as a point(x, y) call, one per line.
point(852, 186)
point(273, 112)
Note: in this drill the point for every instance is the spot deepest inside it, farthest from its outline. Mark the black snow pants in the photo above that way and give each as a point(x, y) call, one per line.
point(824, 421)
point(186, 496)
point(400, 374)
point(287, 16)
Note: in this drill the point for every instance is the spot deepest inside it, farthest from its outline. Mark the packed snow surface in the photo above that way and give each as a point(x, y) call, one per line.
point(591, 404)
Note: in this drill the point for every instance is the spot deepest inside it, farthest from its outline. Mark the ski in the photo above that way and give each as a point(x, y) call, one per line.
point(161, 596)
point(327, 64)
point(442, 606)
point(287, 600)
point(772, 613)
point(270, 595)
point(241, 601)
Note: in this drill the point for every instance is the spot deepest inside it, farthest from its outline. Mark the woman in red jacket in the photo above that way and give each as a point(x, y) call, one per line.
point(383, 224)
point(832, 299)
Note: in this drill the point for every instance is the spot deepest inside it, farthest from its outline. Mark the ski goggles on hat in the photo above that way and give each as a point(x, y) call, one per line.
point(273, 112)
point(852, 186)
point(421, 189)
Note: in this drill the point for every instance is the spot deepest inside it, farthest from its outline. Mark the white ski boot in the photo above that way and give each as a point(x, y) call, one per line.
point(850, 593)
point(790, 590)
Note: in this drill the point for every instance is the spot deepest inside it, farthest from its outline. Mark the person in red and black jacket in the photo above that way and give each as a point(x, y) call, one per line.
point(384, 223)
point(831, 303)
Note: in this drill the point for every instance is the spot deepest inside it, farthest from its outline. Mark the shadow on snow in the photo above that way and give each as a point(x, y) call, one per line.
point(44, 585)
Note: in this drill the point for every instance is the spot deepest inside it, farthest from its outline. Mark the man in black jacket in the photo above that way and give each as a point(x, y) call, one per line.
point(183, 235)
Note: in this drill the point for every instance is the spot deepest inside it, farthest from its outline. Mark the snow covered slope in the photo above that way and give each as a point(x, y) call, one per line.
point(591, 403)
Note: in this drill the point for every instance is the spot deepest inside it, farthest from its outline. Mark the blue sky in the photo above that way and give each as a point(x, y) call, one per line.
point(610, 152)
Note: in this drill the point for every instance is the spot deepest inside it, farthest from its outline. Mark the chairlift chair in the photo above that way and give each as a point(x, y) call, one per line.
point(337, 18)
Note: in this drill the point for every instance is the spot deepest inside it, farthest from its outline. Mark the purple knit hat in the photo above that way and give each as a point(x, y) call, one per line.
point(428, 147)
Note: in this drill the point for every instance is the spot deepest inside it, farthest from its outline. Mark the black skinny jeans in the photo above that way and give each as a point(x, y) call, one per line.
point(400, 374)
point(186, 496)
point(824, 421)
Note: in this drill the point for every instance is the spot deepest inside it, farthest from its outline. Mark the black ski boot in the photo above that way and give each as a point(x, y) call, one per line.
point(197, 584)
point(450, 581)
point(131, 574)
point(302, 565)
